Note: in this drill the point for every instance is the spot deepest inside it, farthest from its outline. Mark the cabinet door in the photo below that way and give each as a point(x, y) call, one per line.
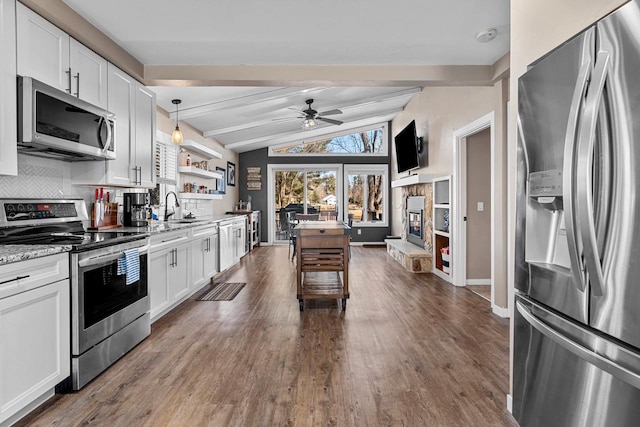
point(43, 49)
point(8, 110)
point(179, 273)
point(34, 345)
point(198, 251)
point(226, 250)
point(88, 74)
point(121, 101)
point(211, 258)
point(159, 295)
point(145, 136)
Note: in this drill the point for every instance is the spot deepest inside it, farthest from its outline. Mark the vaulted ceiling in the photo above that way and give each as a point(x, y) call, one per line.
point(343, 54)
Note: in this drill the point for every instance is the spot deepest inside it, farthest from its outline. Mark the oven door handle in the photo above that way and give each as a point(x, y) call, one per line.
point(104, 258)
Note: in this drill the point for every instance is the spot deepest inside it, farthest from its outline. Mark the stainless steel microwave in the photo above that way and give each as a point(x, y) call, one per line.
point(55, 124)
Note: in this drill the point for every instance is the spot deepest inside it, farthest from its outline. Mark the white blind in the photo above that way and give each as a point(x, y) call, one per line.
point(166, 163)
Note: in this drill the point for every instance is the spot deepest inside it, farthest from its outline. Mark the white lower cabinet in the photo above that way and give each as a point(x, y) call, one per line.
point(169, 271)
point(35, 329)
point(233, 235)
point(204, 255)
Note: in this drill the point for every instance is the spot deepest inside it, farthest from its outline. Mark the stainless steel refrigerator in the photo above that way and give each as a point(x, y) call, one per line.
point(577, 272)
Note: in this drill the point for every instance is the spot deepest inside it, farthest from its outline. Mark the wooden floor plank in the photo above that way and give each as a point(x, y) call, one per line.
point(410, 350)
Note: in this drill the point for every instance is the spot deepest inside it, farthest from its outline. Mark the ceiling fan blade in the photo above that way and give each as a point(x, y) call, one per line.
point(333, 122)
point(330, 112)
point(286, 118)
point(297, 110)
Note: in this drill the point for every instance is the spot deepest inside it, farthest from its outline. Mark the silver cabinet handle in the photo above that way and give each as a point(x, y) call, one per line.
point(69, 79)
point(583, 353)
point(584, 164)
point(568, 183)
point(77, 77)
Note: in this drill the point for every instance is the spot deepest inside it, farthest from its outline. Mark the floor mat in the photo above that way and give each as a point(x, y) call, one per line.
point(221, 292)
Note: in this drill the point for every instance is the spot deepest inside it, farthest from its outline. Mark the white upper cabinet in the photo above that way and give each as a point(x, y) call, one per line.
point(89, 74)
point(135, 109)
point(145, 135)
point(8, 109)
point(48, 54)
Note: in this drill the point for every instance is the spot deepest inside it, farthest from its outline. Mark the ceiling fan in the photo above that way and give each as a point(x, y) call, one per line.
point(311, 116)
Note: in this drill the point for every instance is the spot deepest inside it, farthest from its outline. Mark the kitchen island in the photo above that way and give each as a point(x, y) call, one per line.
point(322, 270)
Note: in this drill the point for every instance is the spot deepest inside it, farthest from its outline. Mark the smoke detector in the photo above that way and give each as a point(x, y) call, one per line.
point(486, 35)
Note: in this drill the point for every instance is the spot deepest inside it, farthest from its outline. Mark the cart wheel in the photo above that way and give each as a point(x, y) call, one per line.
point(301, 305)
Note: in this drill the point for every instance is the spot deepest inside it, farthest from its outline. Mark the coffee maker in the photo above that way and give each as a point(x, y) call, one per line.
point(135, 209)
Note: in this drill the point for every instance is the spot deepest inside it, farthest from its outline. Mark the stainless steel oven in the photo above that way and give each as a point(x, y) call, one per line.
point(108, 316)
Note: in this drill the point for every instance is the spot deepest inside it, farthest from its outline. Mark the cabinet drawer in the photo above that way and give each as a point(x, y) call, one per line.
point(32, 273)
point(322, 241)
point(323, 232)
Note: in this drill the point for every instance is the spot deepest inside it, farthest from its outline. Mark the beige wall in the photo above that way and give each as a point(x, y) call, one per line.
point(439, 112)
point(479, 190)
point(164, 124)
point(537, 27)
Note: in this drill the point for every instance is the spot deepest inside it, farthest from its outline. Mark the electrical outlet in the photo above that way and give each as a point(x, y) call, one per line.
point(480, 206)
point(359, 231)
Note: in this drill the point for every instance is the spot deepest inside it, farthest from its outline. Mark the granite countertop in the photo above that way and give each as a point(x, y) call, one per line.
point(16, 253)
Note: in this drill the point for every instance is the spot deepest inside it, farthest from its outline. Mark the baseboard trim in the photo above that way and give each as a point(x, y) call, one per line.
point(471, 282)
point(510, 404)
point(499, 311)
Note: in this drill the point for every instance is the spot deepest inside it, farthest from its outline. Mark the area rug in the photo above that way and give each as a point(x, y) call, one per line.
point(221, 292)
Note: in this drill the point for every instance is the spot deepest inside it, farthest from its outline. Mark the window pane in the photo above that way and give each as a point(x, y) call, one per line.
point(355, 196)
point(365, 142)
point(321, 191)
point(375, 195)
point(289, 192)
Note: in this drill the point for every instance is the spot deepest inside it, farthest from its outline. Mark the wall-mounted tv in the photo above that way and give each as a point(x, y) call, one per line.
point(407, 156)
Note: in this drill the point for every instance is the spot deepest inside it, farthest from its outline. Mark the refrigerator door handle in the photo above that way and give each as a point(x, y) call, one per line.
point(577, 267)
point(583, 353)
point(584, 167)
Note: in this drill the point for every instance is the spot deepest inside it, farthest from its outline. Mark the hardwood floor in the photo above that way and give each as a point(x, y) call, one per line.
point(410, 350)
point(482, 290)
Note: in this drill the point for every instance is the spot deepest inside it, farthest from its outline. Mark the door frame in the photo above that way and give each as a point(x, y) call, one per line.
point(271, 200)
point(460, 198)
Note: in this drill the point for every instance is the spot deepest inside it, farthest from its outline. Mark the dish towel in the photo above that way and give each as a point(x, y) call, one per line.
point(129, 264)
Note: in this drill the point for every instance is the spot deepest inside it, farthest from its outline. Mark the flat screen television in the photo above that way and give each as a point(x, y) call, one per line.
point(407, 156)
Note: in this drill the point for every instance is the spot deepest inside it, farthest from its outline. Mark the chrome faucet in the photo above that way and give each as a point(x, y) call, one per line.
point(166, 205)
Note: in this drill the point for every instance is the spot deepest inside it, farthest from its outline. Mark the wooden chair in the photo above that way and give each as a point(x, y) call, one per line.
point(328, 215)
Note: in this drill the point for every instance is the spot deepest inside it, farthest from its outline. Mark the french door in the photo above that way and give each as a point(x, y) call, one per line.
point(305, 189)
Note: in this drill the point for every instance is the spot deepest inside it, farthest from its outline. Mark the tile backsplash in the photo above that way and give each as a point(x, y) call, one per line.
point(39, 177)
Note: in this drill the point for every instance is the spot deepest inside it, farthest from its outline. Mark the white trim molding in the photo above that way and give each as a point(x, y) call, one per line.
point(473, 282)
point(499, 311)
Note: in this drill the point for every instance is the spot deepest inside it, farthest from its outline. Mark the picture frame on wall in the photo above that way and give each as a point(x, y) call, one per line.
point(231, 174)
point(220, 182)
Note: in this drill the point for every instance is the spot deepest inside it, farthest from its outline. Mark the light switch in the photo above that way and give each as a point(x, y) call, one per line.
point(480, 206)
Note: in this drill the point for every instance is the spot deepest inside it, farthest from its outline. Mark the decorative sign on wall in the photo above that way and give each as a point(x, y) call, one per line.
point(254, 179)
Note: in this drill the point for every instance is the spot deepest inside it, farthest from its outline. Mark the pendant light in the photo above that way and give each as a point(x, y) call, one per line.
point(176, 136)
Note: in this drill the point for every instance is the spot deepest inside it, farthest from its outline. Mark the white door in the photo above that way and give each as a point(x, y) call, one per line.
point(43, 50)
point(226, 247)
point(179, 273)
point(145, 136)
point(121, 102)
point(159, 265)
point(88, 74)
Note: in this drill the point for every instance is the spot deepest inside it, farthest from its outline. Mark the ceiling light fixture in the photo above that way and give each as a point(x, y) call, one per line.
point(176, 136)
point(309, 123)
point(486, 35)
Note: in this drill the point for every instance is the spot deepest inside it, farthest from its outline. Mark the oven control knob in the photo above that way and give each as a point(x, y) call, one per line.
point(20, 208)
point(29, 208)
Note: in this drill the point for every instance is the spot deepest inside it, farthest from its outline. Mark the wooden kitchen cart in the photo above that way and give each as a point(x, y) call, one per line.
point(322, 261)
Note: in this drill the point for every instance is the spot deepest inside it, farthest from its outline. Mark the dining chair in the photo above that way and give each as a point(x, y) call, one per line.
point(328, 215)
point(292, 221)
